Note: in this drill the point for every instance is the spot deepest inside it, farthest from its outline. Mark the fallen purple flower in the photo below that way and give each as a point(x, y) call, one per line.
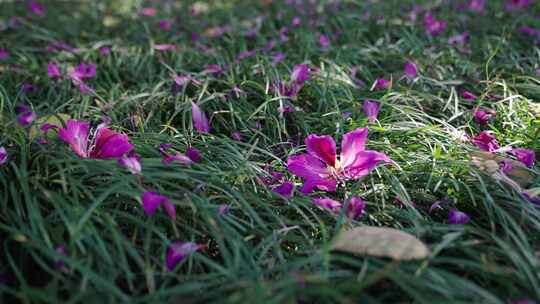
point(410, 70)
point(434, 27)
point(327, 203)
point(37, 8)
point(485, 141)
point(178, 251)
point(151, 201)
point(4, 54)
point(526, 156)
point(200, 121)
point(482, 117)
point(193, 154)
point(53, 71)
point(371, 109)
point(131, 162)
point(356, 208)
point(3, 155)
point(164, 47)
point(466, 95)
point(456, 217)
point(459, 38)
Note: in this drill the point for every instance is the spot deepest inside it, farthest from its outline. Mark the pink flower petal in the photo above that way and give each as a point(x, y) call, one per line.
point(109, 144)
point(327, 203)
point(356, 208)
point(526, 156)
point(485, 141)
point(410, 70)
point(170, 209)
point(314, 171)
point(363, 164)
point(131, 162)
point(3, 155)
point(457, 217)
point(352, 143)
point(371, 109)
point(76, 135)
point(151, 201)
point(322, 147)
point(193, 154)
point(286, 189)
point(178, 251)
point(200, 122)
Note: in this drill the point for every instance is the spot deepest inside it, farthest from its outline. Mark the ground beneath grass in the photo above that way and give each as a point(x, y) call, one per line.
point(173, 151)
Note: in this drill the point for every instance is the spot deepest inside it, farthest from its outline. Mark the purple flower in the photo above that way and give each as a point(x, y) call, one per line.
point(212, 69)
point(237, 136)
point(4, 54)
point(477, 5)
point(193, 154)
point(61, 250)
point(286, 189)
point(131, 162)
point(164, 47)
point(26, 116)
point(323, 41)
point(105, 144)
point(511, 5)
point(459, 38)
point(53, 71)
point(371, 109)
point(3, 155)
point(223, 208)
point(104, 50)
point(485, 141)
point(177, 156)
point(178, 251)
point(434, 27)
point(506, 166)
point(279, 56)
point(148, 12)
point(300, 74)
point(482, 117)
point(37, 8)
point(200, 122)
point(327, 203)
point(151, 201)
point(381, 83)
point(82, 72)
point(456, 217)
point(245, 54)
point(527, 30)
point(356, 208)
point(526, 156)
point(320, 168)
point(28, 87)
point(296, 21)
point(466, 95)
point(410, 70)
point(165, 24)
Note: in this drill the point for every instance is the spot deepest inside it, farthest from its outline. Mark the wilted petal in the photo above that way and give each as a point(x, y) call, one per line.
point(178, 251)
point(76, 135)
point(3, 155)
point(457, 217)
point(109, 144)
point(177, 157)
point(371, 109)
point(410, 70)
point(131, 162)
point(151, 201)
point(466, 95)
point(363, 164)
point(352, 143)
point(322, 147)
point(485, 141)
point(165, 24)
point(526, 156)
point(300, 74)
point(53, 71)
point(285, 189)
point(170, 209)
point(327, 203)
point(200, 122)
point(482, 117)
point(356, 208)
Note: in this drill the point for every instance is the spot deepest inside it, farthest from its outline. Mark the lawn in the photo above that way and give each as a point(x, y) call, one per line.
point(269, 151)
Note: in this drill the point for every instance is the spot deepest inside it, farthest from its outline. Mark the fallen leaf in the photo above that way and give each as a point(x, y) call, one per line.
point(381, 242)
point(490, 162)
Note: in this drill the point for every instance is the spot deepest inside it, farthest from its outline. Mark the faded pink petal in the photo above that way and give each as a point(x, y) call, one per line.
point(322, 147)
point(371, 109)
point(526, 156)
point(300, 74)
point(177, 157)
point(178, 251)
point(4, 54)
point(164, 47)
point(170, 209)
point(200, 122)
point(327, 203)
point(131, 162)
point(481, 116)
point(356, 208)
point(53, 71)
point(76, 135)
point(352, 143)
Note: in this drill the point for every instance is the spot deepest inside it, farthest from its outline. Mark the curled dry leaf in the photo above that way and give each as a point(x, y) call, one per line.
point(381, 242)
point(490, 162)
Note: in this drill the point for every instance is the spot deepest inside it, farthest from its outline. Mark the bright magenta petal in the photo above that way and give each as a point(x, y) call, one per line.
point(352, 143)
point(364, 163)
point(151, 201)
point(327, 203)
point(322, 147)
point(200, 122)
point(314, 171)
point(109, 144)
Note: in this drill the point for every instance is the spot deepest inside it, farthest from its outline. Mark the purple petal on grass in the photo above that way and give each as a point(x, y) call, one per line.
point(356, 208)
point(456, 217)
point(371, 109)
point(351, 144)
point(178, 251)
point(3, 155)
point(165, 24)
point(223, 208)
point(279, 56)
point(324, 42)
point(104, 50)
point(466, 95)
point(437, 204)
point(364, 163)
point(322, 147)
point(170, 209)
point(148, 12)
point(200, 122)
point(300, 74)
point(286, 189)
point(110, 144)
point(151, 201)
point(381, 84)
point(459, 38)
point(61, 250)
point(193, 154)
point(482, 117)
point(485, 141)
point(327, 203)
point(76, 135)
point(4, 54)
point(410, 70)
point(53, 71)
point(131, 162)
point(37, 8)
point(26, 118)
point(314, 171)
point(526, 156)
point(164, 47)
point(177, 157)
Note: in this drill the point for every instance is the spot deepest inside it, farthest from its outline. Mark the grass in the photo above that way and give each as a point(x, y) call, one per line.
point(267, 248)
